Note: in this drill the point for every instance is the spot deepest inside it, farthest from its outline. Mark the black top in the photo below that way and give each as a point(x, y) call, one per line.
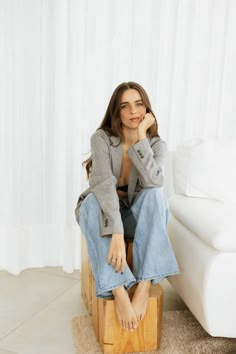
point(123, 188)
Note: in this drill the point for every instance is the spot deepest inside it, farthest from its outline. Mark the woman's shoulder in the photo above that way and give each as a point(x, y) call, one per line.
point(100, 133)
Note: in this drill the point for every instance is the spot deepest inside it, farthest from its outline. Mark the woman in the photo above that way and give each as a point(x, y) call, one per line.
point(125, 201)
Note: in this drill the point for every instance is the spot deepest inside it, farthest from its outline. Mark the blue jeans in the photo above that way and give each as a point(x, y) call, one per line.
point(144, 222)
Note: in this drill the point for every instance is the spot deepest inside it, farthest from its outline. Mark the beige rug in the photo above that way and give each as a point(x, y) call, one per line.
point(181, 334)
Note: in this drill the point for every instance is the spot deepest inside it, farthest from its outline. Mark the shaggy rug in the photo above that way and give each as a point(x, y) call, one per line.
point(181, 334)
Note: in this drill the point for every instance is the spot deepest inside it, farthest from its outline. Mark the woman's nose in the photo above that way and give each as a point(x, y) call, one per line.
point(133, 110)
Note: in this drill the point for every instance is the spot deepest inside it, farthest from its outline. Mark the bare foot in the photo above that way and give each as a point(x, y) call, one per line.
point(124, 309)
point(140, 298)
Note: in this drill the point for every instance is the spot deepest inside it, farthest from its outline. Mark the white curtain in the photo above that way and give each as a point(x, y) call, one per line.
point(60, 60)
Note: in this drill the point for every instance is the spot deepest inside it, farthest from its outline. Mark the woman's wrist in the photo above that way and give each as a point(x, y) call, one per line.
point(141, 135)
point(118, 235)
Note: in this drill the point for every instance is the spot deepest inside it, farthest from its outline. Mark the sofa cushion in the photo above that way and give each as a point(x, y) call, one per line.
point(211, 221)
point(207, 169)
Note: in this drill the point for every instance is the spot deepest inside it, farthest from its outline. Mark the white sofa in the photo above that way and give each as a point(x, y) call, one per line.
point(202, 230)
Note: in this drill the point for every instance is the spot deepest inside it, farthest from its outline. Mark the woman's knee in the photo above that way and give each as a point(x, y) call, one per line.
point(152, 199)
point(152, 192)
point(90, 206)
point(154, 195)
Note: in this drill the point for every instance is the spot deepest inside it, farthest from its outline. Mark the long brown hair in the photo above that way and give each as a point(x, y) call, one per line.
point(111, 121)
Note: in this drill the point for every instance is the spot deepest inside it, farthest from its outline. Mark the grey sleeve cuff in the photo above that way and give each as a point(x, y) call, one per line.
point(149, 161)
point(138, 149)
point(111, 224)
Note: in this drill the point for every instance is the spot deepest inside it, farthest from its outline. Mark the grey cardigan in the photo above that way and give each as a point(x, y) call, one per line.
point(148, 158)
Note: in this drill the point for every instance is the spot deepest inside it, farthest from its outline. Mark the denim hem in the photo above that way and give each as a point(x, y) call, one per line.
point(108, 291)
point(155, 279)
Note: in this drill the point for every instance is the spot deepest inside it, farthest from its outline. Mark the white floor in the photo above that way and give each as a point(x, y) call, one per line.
point(37, 306)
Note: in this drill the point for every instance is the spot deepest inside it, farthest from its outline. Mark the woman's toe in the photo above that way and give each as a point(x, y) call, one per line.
point(125, 325)
point(135, 325)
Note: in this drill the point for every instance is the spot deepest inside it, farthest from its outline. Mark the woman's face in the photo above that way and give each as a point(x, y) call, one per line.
point(132, 109)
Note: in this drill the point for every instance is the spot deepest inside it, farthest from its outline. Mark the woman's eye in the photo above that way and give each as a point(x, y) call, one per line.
point(126, 105)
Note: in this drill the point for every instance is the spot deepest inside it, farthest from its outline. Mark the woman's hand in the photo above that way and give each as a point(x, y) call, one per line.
point(147, 122)
point(117, 254)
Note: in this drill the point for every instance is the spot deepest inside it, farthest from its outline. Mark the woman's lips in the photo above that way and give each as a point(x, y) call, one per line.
point(135, 119)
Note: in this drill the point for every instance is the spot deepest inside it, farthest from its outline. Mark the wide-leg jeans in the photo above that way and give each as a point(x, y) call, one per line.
point(145, 223)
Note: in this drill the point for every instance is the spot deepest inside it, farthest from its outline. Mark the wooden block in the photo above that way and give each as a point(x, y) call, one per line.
point(114, 339)
point(86, 276)
point(95, 319)
point(101, 314)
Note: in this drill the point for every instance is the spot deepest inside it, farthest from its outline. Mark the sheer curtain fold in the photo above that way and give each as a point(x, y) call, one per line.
point(60, 61)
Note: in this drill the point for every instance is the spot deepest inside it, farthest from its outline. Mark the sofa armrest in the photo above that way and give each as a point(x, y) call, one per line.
point(169, 187)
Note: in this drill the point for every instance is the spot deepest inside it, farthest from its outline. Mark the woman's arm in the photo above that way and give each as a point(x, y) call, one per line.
point(149, 161)
point(103, 185)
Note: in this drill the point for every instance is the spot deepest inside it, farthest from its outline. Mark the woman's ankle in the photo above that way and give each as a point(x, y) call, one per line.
point(145, 284)
point(118, 290)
